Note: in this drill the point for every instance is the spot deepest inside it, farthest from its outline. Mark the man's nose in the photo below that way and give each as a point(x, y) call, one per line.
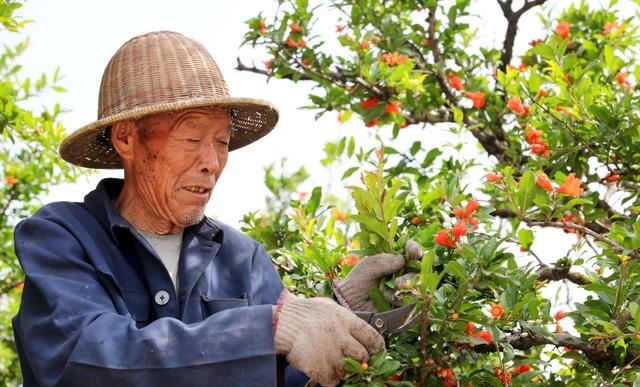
point(209, 162)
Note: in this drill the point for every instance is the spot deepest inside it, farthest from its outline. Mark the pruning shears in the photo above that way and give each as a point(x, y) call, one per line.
point(392, 321)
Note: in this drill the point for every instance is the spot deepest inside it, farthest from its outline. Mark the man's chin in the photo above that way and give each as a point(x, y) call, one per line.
point(191, 219)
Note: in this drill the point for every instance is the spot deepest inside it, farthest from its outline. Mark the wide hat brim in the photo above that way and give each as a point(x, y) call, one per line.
point(90, 147)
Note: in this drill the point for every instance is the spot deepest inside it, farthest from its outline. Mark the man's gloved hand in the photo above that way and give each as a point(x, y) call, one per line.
point(316, 334)
point(353, 291)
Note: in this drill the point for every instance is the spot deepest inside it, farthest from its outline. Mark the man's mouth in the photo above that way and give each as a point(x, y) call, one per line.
point(198, 190)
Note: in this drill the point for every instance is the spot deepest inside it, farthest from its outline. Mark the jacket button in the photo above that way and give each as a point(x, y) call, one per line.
point(162, 297)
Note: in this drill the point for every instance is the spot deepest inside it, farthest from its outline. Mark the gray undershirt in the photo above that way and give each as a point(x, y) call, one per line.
point(168, 249)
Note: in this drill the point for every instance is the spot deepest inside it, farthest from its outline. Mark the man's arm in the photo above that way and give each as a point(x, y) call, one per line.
point(70, 333)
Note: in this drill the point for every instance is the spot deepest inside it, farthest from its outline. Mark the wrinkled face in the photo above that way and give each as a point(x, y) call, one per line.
point(177, 160)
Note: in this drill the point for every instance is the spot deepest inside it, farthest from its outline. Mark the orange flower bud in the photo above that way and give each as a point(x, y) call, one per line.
point(477, 98)
point(456, 82)
point(493, 177)
point(562, 29)
point(295, 27)
point(543, 181)
point(369, 103)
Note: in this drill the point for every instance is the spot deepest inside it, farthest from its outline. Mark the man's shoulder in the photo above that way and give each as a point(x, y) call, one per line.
point(60, 209)
point(59, 215)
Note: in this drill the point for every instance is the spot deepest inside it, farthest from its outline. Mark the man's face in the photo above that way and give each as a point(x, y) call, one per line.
point(179, 158)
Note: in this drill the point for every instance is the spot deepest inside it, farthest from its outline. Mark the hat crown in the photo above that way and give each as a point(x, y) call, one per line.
point(158, 68)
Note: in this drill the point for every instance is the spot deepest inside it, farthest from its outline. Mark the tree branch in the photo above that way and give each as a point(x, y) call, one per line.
point(596, 352)
point(253, 69)
point(548, 273)
point(513, 17)
point(441, 77)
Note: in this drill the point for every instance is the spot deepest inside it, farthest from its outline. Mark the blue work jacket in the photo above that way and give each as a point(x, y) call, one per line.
point(99, 308)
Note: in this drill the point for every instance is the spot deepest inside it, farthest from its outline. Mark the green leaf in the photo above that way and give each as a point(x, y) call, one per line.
point(314, 201)
point(429, 279)
point(377, 297)
point(525, 238)
point(610, 60)
point(352, 366)
point(455, 268)
point(378, 358)
point(352, 142)
point(388, 367)
point(526, 192)
point(430, 157)
point(349, 172)
point(544, 50)
point(415, 147)
point(458, 116)
point(372, 224)
point(635, 312)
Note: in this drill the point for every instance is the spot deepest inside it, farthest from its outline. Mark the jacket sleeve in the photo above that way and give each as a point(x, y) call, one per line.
point(70, 334)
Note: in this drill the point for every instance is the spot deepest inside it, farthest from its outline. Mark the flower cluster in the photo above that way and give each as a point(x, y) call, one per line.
point(450, 237)
point(610, 27)
point(349, 260)
point(538, 146)
point(505, 377)
point(295, 40)
point(621, 78)
point(571, 186)
point(447, 376)
point(372, 102)
point(476, 97)
point(393, 59)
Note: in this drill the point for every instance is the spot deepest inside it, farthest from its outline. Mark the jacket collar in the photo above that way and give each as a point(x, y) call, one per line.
point(99, 203)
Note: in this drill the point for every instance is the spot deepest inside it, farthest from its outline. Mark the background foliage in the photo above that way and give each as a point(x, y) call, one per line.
point(553, 162)
point(30, 163)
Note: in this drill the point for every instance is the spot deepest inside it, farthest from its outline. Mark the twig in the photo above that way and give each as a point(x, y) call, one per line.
point(616, 247)
point(424, 334)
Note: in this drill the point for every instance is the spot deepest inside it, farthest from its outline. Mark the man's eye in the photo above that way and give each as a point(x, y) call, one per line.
point(193, 140)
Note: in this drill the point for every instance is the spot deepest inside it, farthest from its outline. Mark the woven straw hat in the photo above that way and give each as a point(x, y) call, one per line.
point(160, 72)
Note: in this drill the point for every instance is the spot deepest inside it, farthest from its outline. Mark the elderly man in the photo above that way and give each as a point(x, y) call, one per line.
point(135, 286)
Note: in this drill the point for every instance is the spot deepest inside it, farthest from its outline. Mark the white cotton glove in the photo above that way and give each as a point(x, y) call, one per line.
point(316, 334)
point(353, 291)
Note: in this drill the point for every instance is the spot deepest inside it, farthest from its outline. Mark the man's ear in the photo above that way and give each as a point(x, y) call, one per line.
point(123, 136)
